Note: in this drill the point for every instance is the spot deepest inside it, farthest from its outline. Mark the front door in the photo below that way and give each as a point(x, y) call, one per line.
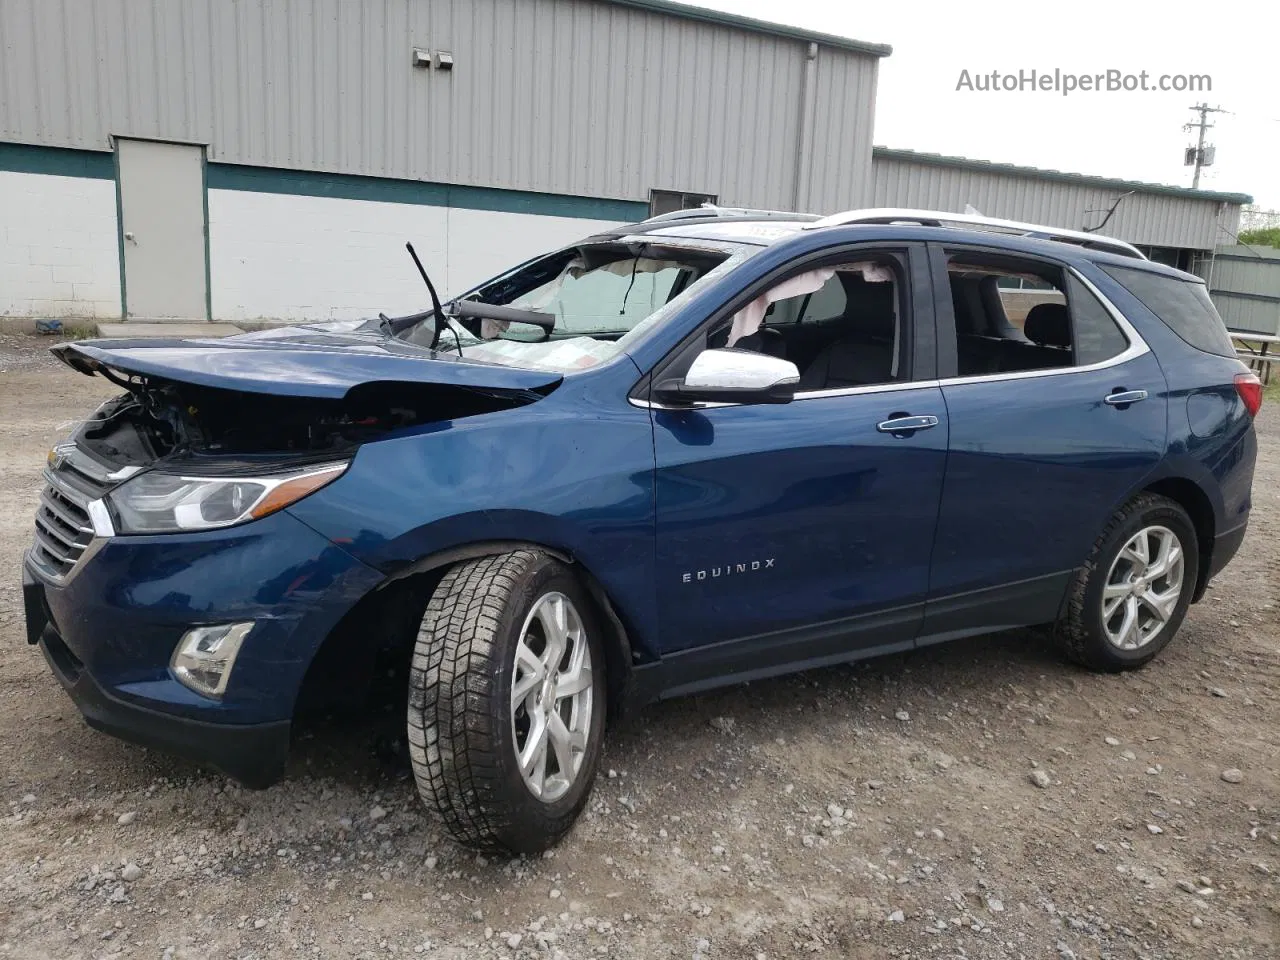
point(801, 532)
point(163, 230)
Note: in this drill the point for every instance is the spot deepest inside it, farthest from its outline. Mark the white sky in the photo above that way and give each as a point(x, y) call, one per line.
point(1135, 136)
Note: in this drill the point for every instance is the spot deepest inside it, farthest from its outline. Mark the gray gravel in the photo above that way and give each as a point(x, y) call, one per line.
point(881, 810)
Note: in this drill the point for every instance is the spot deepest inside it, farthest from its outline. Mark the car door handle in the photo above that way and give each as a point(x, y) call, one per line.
point(1122, 398)
point(905, 425)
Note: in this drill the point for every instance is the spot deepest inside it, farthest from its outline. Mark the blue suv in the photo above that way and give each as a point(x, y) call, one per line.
point(689, 452)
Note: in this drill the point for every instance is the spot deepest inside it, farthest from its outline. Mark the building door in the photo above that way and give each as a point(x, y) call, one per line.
point(163, 230)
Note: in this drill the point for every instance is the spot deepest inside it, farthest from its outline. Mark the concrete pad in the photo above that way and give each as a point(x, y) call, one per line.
point(133, 328)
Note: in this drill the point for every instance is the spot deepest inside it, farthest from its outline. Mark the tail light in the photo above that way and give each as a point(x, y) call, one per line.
point(1250, 389)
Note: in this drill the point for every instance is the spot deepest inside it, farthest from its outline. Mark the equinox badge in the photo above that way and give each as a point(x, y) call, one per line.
point(729, 570)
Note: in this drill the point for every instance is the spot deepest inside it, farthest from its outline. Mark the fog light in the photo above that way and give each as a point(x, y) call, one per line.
point(204, 657)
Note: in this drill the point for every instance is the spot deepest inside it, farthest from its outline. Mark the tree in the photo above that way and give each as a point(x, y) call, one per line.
point(1268, 237)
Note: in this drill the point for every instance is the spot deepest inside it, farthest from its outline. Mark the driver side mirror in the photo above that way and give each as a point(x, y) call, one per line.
point(732, 376)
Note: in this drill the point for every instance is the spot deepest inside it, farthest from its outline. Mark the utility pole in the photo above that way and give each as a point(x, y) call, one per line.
point(1198, 159)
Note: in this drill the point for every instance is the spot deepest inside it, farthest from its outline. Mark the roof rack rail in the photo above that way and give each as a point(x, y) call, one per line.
point(938, 218)
point(711, 210)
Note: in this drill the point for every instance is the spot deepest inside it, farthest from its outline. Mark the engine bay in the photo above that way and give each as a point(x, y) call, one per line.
point(158, 420)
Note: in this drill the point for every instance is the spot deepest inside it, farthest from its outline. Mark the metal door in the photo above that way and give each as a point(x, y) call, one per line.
point(163, 230)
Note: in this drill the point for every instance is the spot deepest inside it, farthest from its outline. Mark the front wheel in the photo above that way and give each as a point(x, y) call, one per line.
point(507, 701)
point(1129, 599)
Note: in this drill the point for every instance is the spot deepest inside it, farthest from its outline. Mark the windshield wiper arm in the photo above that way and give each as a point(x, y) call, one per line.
point(435, 300)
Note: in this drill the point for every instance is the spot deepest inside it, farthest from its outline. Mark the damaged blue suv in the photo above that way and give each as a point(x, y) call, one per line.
point(703, 449)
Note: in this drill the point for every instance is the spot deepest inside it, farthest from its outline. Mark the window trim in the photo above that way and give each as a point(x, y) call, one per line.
point(914, 260)
point(1137, 346)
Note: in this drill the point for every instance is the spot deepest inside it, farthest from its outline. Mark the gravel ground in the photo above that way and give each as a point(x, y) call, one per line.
point(979, 799)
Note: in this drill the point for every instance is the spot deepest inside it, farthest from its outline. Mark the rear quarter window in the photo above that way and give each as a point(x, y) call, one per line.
point(1183, 305)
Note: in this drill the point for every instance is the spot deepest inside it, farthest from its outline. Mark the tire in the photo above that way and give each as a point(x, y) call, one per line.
point(464, 732)
point(1094, 640)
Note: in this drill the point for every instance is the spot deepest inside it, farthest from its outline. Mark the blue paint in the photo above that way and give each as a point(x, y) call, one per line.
point(298, 363)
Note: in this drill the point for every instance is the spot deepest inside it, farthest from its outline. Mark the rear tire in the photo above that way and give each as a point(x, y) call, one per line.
point(491, 726)
point(1128, 601)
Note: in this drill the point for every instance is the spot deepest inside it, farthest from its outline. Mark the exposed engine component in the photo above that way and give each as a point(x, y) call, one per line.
point(162, 420)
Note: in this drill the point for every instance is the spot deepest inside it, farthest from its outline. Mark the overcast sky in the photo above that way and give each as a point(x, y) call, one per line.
point(1136, 136)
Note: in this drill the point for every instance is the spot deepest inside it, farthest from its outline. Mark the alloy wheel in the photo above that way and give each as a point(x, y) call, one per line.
point(551, 697)
point(1143, 588)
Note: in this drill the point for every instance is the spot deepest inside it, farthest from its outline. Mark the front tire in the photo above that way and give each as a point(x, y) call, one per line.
point(507, 701)
point(1128, 601)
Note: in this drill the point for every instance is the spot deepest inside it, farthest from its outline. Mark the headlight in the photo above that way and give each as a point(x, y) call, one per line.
point(164, 503)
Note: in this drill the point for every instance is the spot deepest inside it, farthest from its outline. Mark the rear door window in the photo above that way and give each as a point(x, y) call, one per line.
point(1183, 305)
point(1014, 315)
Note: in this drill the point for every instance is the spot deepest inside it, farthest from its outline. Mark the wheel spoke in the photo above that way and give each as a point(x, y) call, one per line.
point(1113, 594)
point(574, 681)
point(1128, 625)
point(523, 688)
point(1160, 604)
point(1137, 553)
point(551, 680)
point(568, 744)
point(529, 673)
point(1167, 559)
point(533, 758)
point(554, 625)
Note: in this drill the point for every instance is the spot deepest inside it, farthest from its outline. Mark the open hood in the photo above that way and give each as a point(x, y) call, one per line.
point(297, 362)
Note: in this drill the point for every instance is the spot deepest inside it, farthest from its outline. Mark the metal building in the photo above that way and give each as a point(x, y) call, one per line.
point(1170, 224)
point(317, 135)
point(267, 159)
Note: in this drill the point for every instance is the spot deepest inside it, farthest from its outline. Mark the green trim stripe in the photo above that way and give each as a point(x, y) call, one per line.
point(59, 161)
point(345, 186)
point(1058, 176)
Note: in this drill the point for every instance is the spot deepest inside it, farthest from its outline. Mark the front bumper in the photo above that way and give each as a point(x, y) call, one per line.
point(109, 631)
point(254, 753)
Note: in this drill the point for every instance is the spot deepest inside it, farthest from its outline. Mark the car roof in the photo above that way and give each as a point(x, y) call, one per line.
point(766, 227)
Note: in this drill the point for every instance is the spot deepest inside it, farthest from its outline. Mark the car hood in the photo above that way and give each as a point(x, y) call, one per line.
point(312, 361)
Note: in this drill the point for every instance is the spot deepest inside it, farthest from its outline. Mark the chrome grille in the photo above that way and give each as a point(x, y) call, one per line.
point(63, 526)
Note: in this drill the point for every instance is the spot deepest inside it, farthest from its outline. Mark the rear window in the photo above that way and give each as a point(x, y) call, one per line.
point(1183, 305)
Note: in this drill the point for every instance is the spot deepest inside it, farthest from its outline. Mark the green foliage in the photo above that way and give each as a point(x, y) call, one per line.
point(1269, 237)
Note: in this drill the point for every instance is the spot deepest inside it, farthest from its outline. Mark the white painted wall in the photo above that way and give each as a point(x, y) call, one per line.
point(282, 257)
point(59, 250)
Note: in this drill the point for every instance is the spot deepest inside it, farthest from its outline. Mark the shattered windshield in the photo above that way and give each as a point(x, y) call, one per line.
point(593, 297)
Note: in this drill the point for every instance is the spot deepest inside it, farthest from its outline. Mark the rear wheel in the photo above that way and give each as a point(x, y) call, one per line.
point(1130, 598)
point(507, 701)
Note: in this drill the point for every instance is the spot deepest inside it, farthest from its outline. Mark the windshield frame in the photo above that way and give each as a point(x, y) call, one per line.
point(733, 254)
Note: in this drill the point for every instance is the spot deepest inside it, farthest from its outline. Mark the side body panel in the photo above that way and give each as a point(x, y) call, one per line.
point(1211, 435)
point(573, 471)
point(1036, 466)
point(775, 517)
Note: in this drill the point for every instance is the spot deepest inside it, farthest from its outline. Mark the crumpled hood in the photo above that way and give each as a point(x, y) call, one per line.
point(312, 361)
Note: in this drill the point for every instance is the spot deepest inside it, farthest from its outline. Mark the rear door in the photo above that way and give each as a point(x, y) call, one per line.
point(801, 532)
point(1057, 411)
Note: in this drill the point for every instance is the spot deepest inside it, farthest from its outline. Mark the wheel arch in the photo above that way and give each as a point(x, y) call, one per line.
point(397, 603)
point(1192, 498)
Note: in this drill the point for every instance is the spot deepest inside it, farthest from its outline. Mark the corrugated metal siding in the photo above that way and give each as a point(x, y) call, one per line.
point(840, 162)
point(1244, 283)
point(562, 96)
point(1154, 219)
